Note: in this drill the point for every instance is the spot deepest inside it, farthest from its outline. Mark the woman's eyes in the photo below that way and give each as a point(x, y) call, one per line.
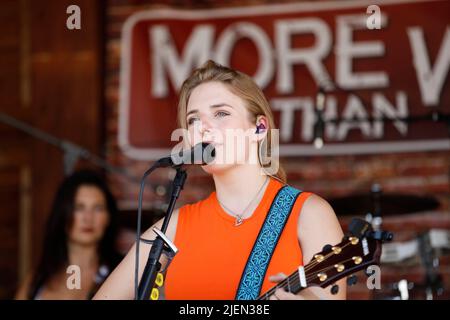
point(96, 208)
point(191, 120)
point(99, 208)
point(218, 114)
point(221, 114)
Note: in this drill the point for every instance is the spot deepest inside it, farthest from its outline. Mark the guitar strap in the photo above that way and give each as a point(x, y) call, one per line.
point(255, 270)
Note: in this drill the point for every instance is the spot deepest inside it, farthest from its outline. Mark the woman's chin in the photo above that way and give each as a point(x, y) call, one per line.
point(214, 168)
point(85, 240)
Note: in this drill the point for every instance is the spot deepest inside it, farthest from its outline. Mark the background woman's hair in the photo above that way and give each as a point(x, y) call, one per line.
point(244, 87)
point(54, 251)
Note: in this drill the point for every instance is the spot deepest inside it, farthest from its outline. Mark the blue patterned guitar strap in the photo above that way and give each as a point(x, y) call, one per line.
point(258, 261)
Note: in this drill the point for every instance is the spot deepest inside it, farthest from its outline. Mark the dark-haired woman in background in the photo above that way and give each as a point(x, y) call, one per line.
point(81, 231)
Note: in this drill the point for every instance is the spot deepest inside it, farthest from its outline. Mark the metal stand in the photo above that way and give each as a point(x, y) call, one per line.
point(161, 244)
point(433, 280)
point(72, 151)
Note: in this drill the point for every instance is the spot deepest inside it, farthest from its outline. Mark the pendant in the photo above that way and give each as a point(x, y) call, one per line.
point(238, 221)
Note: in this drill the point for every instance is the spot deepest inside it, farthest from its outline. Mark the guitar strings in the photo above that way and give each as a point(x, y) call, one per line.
point(293, 279)
point(294, 276)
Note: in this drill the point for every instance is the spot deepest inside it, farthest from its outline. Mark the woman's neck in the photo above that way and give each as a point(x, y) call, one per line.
point(85, 256)
point(239, 186)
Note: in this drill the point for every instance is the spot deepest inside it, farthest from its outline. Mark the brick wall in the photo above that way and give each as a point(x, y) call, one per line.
point(422, 173)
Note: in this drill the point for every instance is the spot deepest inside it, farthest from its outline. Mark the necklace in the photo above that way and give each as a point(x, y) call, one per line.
point(239, 217)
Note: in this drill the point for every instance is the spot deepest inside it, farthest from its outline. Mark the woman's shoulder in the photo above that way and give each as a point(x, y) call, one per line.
point(301, 195)
point(317, 213)
point(316, 202)
point(309, 202)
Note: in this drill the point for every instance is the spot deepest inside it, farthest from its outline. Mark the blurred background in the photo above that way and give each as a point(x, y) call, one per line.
point(361, 96)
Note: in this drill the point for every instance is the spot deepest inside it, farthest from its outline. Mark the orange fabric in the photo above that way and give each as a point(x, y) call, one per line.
point(213, 251)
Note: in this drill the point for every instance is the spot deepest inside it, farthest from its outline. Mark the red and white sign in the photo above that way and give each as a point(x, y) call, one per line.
point(398, 71)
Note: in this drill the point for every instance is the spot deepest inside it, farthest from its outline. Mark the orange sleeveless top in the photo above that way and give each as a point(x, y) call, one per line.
point(213, 251)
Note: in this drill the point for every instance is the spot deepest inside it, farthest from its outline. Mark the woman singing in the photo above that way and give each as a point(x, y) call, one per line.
point(215, 236)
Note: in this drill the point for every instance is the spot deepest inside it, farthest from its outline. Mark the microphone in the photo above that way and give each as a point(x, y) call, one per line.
point(200, 154)
point(320, 123)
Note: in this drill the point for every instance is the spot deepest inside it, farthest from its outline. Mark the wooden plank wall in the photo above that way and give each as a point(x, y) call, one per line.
point(51, 78)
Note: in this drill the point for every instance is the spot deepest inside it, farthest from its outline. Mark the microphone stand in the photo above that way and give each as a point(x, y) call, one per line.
point(433, 280)
point(72, 151)
point(161, 243)
point(319, 125)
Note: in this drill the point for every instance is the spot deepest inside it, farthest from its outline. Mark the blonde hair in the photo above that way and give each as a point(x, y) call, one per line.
point(244, 87)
